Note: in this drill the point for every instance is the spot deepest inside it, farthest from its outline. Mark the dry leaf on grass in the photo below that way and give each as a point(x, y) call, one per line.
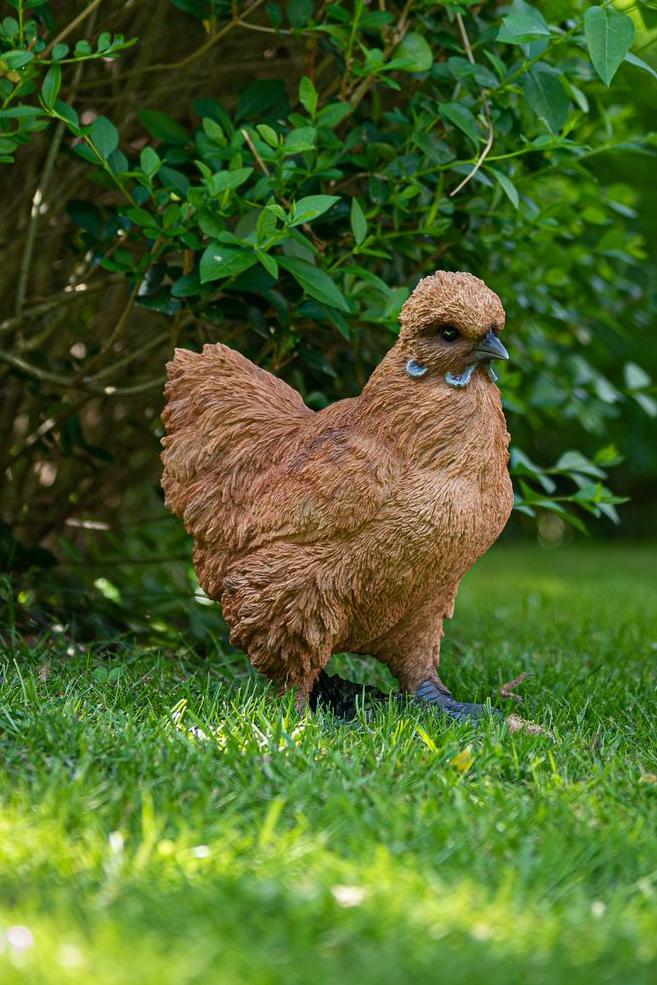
point(463, 760)
point(517, 724)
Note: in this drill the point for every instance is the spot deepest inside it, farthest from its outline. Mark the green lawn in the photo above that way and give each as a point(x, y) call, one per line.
point(163, 823)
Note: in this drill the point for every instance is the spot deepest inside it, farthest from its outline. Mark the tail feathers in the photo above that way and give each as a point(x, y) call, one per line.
point(226, 422)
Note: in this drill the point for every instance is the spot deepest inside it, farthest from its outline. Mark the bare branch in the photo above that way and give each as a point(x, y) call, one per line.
point(489, 120)
point(82, 16)
point(69, 383)
point(194, 56)
point(53, 150)
point(72, 294)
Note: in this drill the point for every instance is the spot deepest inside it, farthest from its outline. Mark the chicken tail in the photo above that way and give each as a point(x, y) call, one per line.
point(227, 421)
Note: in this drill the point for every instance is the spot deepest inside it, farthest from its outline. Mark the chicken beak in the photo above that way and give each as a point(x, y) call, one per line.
point(489, 348)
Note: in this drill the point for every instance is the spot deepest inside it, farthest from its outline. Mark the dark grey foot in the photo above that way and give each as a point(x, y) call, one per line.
point(430, 693)
point(342, 697)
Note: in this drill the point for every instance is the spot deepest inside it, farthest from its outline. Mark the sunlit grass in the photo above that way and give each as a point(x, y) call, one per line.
point(162, 823)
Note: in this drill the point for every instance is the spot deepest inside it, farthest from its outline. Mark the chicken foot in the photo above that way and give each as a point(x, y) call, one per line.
point(412, 652)
point(436, 694)
point(343, 699)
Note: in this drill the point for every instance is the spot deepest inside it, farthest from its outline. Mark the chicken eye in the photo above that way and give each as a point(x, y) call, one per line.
point(449, 333)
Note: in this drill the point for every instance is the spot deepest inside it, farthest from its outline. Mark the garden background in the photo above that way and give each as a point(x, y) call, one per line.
point(277, 176)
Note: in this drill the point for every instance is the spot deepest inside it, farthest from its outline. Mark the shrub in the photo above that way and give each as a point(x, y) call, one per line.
point(286, 203)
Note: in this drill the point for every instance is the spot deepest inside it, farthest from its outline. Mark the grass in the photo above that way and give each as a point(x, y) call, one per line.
point(163, 824)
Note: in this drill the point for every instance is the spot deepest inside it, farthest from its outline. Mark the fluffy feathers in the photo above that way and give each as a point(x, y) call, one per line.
point(349, 528)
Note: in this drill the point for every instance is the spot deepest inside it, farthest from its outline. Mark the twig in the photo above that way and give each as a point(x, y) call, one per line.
point(41, 337)
point(189, 59)
point(124, 361)
point(82, 16)
point(252, 147)
point(320, 244)
point(397, 35)
point(53, 150)
point(115, 334)
point(9, 324)
point(67, 383)
point(26, 261)
point(489, 120)
point(262, 28)
point(506, 691)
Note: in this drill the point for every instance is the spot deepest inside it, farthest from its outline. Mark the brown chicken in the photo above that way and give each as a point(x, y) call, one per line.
point(350, 528)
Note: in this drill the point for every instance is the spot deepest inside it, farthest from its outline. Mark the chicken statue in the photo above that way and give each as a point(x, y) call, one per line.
point(350, 528)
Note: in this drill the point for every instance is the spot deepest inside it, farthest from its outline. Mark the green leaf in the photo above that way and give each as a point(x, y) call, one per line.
point(358, 222)
point(507, 186)
point(149, 161)
point(605, 390)
point(17, 58)
point(263, 100)
point(523, 26)
point(521, 464)
point(268, 263)
point(309, 208)
point(461, 117)
point(308, 95)
point(223, 180)
point(334, 113)
point(546, 96)
point(69, 114)
point(299, 12)
point(210, 224)
point(413, 54)
point(268, 134)
point(186, 286)
point(647, 403)
point(315, 282)
point(51, 85)
point(163, 127)
point(142, 218)
point(59, 51)
point(607, 456)
point(10, 27)
point(574, 461)
point(299, 140)
point(20, 112)
point(636, 378)
point(213, 131)
point(609, 35)
point(104, 136)
point(573, 520)
point(176, 179)
point(265, 226)
point(610, 511)
point(276, 210)
point(592, 492)
point(633, 59)
point(219, 261)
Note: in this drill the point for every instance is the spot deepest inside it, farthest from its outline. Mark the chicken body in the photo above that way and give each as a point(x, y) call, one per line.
point(350, 528)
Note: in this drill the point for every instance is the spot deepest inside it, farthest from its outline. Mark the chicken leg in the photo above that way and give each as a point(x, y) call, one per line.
point(412, 652)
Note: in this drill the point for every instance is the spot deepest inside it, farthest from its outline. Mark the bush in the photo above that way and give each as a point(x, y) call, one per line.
point(280, 186)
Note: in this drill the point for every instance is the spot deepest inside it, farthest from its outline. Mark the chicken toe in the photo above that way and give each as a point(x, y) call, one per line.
point(430, 693)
